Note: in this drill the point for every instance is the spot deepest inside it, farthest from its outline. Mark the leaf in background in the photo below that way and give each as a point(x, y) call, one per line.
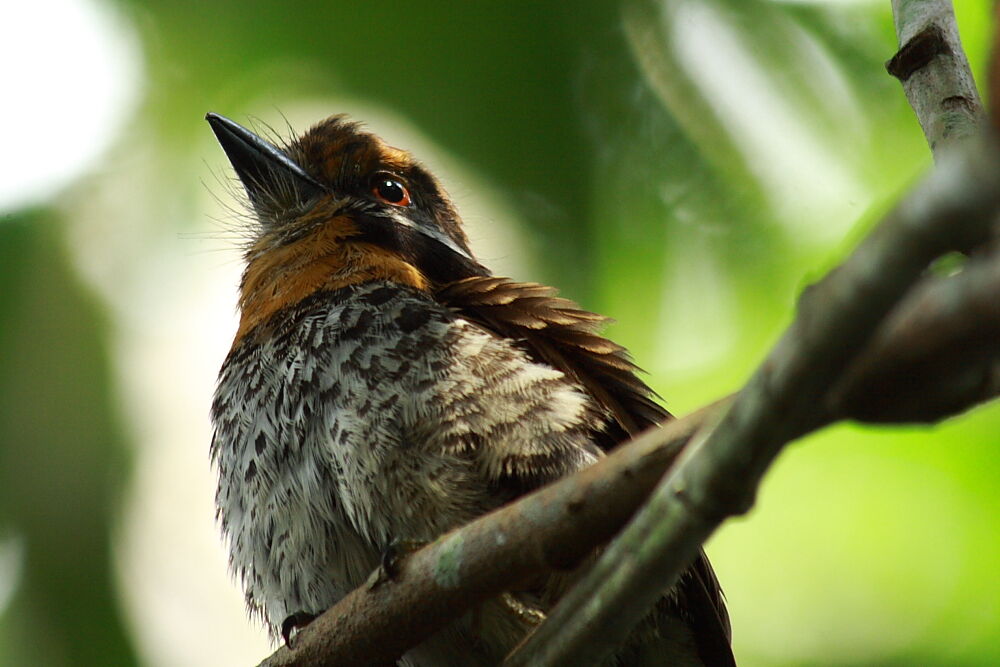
point(62, 459)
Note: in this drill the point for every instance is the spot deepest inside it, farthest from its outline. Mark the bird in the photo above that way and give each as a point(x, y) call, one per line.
point(384, 387)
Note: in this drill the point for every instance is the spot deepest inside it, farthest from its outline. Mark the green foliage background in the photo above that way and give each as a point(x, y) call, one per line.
point(868, 546)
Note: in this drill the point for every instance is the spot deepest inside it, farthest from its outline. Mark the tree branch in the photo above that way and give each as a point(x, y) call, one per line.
point(934, 71)
point(937, 355)
point(718, 473)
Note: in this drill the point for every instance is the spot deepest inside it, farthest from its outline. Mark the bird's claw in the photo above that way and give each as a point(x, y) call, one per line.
point(292, 625)
point(392, 558)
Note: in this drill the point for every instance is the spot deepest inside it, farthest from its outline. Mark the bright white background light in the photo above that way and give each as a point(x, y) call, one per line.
point(71, 72)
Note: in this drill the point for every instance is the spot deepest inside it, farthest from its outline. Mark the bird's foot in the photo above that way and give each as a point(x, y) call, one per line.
point(292, 625)
point(392, 558)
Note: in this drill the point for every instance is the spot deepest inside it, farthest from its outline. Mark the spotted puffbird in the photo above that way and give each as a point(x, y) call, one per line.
point(383, 386)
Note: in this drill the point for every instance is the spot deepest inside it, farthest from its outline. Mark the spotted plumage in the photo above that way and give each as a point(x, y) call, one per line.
point(384, 387)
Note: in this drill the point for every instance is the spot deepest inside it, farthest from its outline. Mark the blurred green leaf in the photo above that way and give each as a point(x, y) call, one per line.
point(62, 461)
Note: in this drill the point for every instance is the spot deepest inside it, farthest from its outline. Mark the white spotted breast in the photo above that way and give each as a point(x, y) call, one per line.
point(373, 413)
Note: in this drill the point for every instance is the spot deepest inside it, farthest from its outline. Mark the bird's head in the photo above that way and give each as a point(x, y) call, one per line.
point(337, 206)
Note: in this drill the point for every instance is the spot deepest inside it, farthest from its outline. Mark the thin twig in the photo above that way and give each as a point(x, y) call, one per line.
point(934, 71)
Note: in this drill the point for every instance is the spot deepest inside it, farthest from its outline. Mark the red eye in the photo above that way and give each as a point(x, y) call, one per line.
point(391, 191)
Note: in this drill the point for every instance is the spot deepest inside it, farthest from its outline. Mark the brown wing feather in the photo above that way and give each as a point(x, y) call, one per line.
point(557, 331)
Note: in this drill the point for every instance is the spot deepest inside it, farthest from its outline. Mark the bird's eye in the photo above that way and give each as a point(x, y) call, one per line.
point(391, 191)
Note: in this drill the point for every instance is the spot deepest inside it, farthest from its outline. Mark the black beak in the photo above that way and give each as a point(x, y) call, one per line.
point(265, 170)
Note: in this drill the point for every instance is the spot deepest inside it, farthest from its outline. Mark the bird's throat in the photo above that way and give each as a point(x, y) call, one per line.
point(325, 260)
